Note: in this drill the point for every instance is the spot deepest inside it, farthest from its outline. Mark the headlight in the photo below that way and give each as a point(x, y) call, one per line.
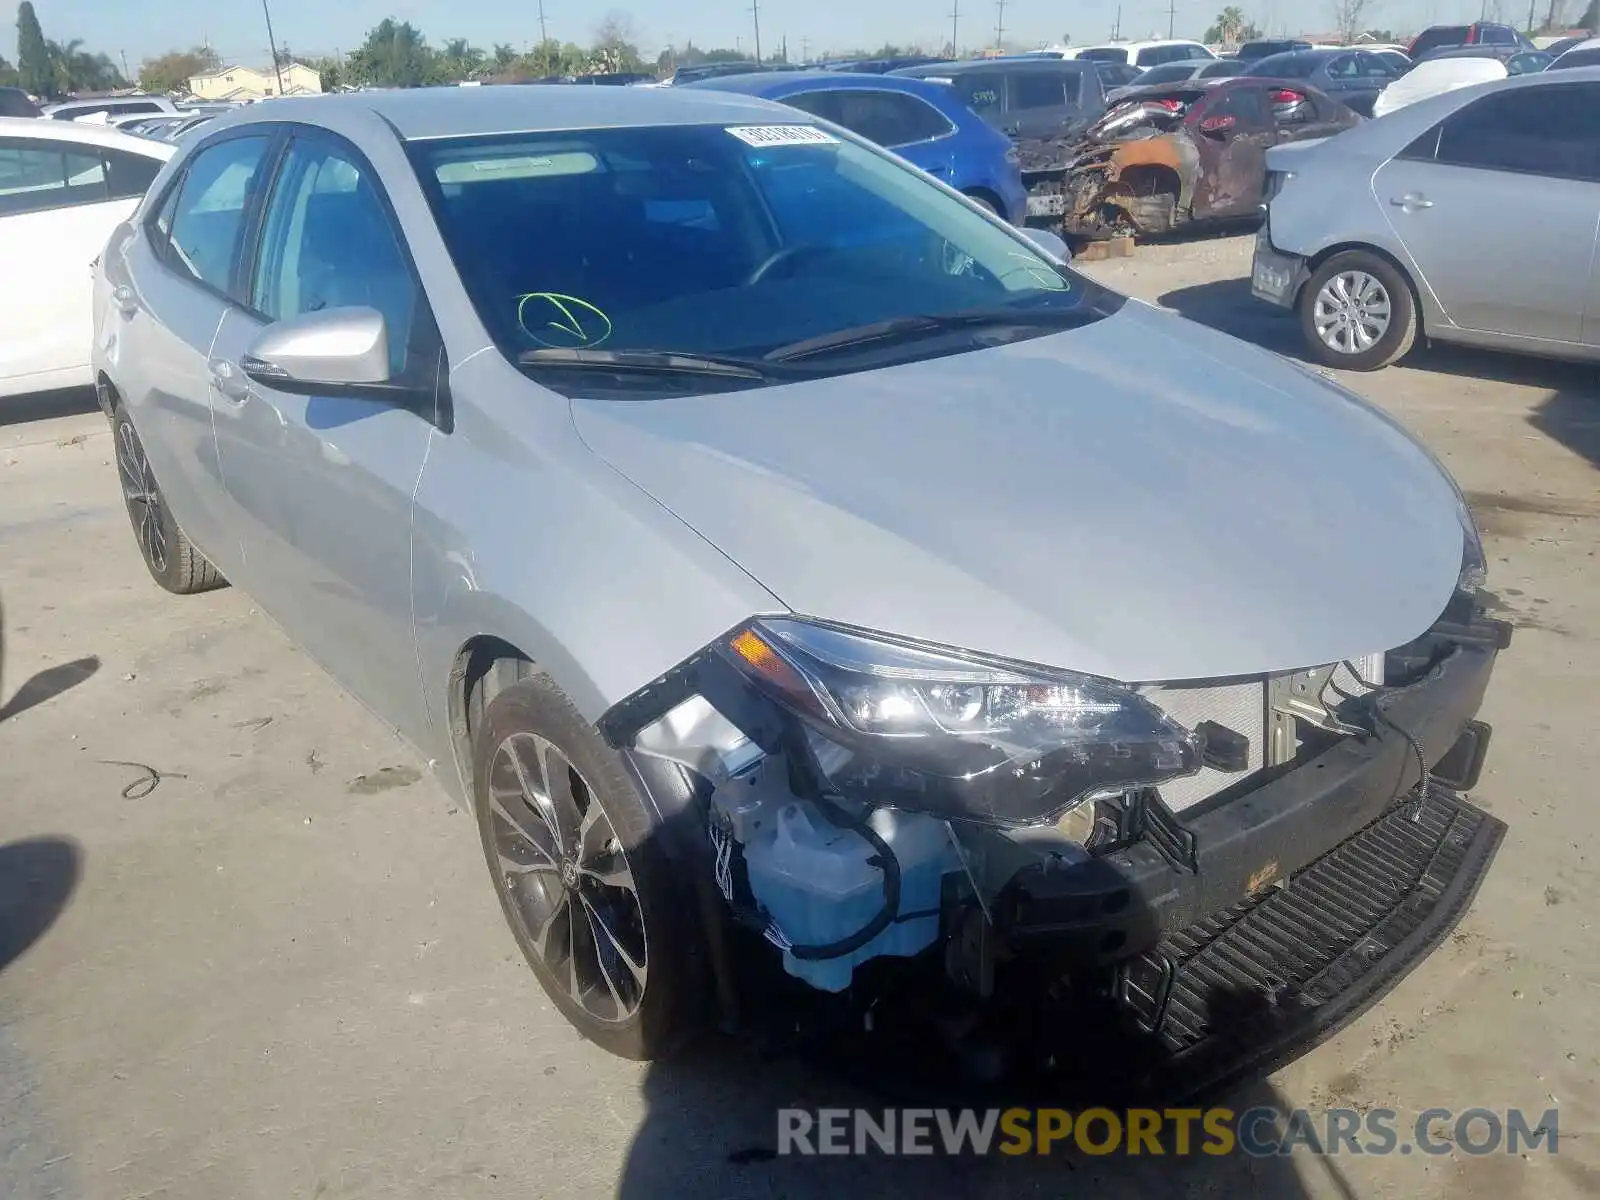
point(954, 734)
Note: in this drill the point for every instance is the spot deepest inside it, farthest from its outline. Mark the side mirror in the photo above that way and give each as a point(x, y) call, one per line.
point(321, 352)
point(1050, 243)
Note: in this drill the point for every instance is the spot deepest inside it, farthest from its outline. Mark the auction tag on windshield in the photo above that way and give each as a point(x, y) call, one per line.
point(782, 135)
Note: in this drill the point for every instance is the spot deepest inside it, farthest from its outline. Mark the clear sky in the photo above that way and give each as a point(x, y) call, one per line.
point(144, 28)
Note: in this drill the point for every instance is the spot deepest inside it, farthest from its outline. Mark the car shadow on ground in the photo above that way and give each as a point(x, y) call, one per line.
point(37, 878)
point(42, 406)
point(712, 1129)
point(1570, 415)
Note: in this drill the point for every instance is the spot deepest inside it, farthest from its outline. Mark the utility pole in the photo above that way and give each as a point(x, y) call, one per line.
point(755, 15)
point(1530, 16)
point(805, 49)
point(1116, 28)
point(125, 73)
point(544, 36)
point(272, 45)
point(1172, 10)
point(955, 24)
point(999, 24)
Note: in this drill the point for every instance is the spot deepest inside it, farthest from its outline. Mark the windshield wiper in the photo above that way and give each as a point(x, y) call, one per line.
point(658, 362)
point(902, 329)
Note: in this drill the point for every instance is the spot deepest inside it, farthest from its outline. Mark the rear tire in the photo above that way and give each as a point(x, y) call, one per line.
point(1357, 312)
point(583, 879)
point(168, 554)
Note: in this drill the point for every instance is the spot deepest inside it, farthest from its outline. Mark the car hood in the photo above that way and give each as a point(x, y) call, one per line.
point(1140, 498)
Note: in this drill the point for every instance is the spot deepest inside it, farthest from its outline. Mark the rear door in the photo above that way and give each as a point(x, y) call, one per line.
point(1038, 104)
point(174, 283)
point(320, 486)
point(1232, 130)
point(59, 202)
point(1528, 151)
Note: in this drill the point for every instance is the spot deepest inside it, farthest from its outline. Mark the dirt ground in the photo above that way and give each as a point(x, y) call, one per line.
point(280, 972)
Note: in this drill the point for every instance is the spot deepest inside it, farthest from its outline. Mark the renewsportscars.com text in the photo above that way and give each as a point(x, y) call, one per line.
point(1258, 1132)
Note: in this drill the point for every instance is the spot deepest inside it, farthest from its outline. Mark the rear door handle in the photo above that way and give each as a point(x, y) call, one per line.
point(127, 303)
point(1410, 201)
point(229, 381)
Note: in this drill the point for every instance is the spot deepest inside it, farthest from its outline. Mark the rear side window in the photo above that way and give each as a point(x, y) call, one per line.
point(38, 176)
point(1283, 66)
point(982, 93)
point(887, 118)
point(1218, 70)
point(1531, 131)
point(1242, 104)
point(1105, 54)
point(1577, 58)
point(128, 174)
point(207, 218)
point(1497, 35)
point(1038, 89)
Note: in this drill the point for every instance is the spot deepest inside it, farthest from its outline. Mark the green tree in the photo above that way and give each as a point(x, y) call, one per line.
point(504, 57)
point(615, 45)
point(330, 71)
point(1591, 17)
point(74, 69)
point(33, 56)
point(172, 71)
point(8, 74)
point(1228, 28)
point(457, 61)
point(395, 54)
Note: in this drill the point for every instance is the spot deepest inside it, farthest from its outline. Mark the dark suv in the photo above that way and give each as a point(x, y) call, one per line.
point(1479, 33)
point(1249, 52)
point(1025, 97)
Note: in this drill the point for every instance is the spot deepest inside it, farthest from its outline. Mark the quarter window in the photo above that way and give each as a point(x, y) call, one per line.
point(980, 92)
point(327, 242)
point(1530, 130)
point(207, 219)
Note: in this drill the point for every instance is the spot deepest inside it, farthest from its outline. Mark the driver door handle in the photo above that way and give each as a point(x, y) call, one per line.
point(229, 381)
point(1410, 201)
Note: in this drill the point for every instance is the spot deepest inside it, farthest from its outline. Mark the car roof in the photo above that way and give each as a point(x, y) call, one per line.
point(771, 83)
point(1134, 46)
point(437, 112)
point(72, 132)
point(1006, 63)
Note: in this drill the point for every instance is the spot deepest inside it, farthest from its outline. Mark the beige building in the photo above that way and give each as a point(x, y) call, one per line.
point(248, 83)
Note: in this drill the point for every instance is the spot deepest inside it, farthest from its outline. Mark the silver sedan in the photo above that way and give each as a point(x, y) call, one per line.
point(1468, 217)
point(784, 557)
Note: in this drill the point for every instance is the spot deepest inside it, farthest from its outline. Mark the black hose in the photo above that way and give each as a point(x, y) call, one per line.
point(806, 772)
point(884, 860)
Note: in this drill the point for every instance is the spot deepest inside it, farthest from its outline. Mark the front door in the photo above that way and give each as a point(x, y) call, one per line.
point(180, 273)
point(321, 485)
point(1528, 151)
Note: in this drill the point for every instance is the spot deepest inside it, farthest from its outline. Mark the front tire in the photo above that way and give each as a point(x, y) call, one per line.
point(583, 879)
point(1357, 312)
point(168, 554)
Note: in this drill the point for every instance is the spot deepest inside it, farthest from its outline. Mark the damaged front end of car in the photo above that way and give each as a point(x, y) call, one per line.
point(1133, 173)
point(1260, 853)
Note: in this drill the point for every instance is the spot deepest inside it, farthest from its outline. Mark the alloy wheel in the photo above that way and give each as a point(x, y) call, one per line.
point(142, 496)
point(570, 884)
point(1351, 312)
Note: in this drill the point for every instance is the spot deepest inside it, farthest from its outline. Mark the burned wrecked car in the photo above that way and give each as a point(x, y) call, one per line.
point(1170, 155)
point(813, 585)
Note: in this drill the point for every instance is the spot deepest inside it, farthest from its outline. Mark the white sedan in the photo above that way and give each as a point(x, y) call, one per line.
point(64, 187)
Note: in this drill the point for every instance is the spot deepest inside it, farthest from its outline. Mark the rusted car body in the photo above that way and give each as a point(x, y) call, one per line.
point(1173, 154)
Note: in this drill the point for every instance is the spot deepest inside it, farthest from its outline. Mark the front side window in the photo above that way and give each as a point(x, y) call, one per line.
point(36, 176)
point(1577, 58)
point(207, 219)
point(1497, 35)
point(1105, 54)
point(980, 91)
point(1529, 130)
point(327, 242)
point(735, 242)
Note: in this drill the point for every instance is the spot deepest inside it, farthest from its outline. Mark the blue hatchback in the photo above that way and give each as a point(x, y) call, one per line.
point(923, 122)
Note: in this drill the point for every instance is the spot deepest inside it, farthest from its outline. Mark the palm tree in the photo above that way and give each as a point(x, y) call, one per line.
point(1228, 26)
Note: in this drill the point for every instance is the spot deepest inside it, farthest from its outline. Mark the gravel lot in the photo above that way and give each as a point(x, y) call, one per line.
point(280, 972)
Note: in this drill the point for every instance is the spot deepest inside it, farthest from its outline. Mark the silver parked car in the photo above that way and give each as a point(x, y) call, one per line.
point(1397, 229)
point(797, 568)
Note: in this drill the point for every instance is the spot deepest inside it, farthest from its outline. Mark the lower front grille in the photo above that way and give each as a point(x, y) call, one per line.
point(1251, 983)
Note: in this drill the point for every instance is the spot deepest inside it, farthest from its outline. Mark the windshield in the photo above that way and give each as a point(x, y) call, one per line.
point(721, 242)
